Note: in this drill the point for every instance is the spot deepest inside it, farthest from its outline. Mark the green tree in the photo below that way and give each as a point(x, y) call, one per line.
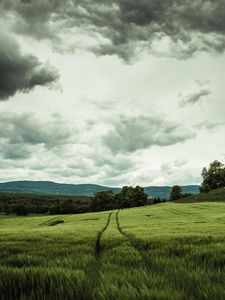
point(156, 200)
point(53, 210)
point(66, 207)
point(7, 209)
point(213, 177)
point(103, 201)
point(131, 197)
point(20, 209)
point(176, 192)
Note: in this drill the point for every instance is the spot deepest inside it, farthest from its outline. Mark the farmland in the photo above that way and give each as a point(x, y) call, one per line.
point(165, 251)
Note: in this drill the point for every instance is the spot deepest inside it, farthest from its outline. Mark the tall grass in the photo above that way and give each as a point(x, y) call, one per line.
point(167, 251)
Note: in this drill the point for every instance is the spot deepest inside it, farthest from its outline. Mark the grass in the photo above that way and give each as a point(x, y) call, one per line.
point(55, 222)
point(165, 251)
point(213, 196)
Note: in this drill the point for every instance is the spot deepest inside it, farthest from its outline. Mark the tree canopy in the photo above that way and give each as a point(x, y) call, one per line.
point(176, 193)
point(103, 201)
point(213, 177)
point(131, 197)
point(128, 197)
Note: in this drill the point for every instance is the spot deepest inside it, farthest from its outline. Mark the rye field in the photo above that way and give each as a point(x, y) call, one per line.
point(164, 251)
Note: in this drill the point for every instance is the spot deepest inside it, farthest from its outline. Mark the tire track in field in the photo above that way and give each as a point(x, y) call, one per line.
point(92, 272)
point(139, 245)
point(98, 248)
point(126, 235)
point(48, 221)
point(132, 239)
point(177, 212)
point(172, 211)
point(209, 209)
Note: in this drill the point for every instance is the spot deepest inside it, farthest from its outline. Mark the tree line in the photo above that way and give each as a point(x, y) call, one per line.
point(128, 197)
point(23, 204)
point(213, 178)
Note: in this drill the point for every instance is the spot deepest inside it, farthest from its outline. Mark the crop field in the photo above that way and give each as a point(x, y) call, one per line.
point(164, 251)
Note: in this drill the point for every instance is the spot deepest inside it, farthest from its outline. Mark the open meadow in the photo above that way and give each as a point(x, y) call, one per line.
point(165, 251)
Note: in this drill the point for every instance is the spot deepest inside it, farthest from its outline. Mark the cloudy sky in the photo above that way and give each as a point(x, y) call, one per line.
point(111, 92)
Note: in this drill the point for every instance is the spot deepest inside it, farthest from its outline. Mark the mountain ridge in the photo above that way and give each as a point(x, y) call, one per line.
point(54, 188)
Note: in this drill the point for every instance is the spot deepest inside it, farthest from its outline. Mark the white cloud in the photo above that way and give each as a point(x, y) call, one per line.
point(90, 141)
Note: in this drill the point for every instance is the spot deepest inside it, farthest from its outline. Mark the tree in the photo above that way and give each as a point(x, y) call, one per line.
point(53, 210)
point(213, 177)
point(7, 209)
point(156, 200)
point(66, 207)
point(131, 197)
point(103, 201)
point(20, 209)
point(176, 192)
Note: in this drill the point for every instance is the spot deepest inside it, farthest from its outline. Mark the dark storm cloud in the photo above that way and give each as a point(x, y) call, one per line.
point(20, 134)
point(18, 72)
point(32, 17)
point(128, 25)
point(195, 97)
point(133, 133)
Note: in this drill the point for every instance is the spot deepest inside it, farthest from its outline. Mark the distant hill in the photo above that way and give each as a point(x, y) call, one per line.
point(213, 196)
point(164, 191)
point(52, 188)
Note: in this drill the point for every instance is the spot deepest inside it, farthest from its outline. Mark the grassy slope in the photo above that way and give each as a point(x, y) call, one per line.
point(213, 196)
point(165, 251)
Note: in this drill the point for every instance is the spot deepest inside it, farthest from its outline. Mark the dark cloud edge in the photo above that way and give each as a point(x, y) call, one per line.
point(128, 24)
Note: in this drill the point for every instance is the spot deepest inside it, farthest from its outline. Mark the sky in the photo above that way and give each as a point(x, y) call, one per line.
point(119, 92)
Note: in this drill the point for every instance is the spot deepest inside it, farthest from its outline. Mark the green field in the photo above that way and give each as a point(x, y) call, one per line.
point(165, 251)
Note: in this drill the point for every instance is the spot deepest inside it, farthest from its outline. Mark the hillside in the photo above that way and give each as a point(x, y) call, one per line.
point(52, 188)
point(164, 191)
point(167, 251)
point(213, 196)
